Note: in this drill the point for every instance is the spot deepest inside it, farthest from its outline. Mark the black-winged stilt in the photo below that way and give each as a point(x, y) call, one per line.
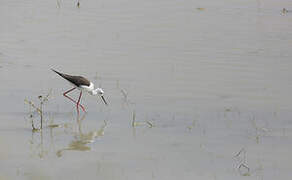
point(82, 84)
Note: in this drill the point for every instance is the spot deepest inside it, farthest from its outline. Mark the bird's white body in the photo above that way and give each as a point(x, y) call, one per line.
point(88, 89)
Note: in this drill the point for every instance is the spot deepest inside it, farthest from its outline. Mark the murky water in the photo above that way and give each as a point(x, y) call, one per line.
point(197, 89)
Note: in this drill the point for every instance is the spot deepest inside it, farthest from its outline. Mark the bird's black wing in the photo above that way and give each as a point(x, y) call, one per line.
point(76, 80)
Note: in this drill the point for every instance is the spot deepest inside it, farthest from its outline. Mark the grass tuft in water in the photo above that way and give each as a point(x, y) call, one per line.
point(37, 109)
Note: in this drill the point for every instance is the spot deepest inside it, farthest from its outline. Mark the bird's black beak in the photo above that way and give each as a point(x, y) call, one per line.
point(104, 100)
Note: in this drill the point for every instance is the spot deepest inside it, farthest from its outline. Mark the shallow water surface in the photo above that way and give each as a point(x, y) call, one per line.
point(196, 89)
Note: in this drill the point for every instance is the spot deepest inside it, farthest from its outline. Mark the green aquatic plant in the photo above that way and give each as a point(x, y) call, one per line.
point(37, 109)
point(136, 123)
point(200, 9)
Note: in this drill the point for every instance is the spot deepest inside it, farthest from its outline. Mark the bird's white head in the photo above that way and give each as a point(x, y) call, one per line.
point(99, 91)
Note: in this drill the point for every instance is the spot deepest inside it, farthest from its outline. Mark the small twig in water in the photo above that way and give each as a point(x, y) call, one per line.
point(124, 94)
point(243, 167)
point(150, 124)
point(32, 105)
point(134, 119)
point(58, 4)
point(242, 150)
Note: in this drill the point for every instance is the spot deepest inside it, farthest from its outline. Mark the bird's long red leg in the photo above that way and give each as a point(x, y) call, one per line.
point(77, 105)
point(65, 94)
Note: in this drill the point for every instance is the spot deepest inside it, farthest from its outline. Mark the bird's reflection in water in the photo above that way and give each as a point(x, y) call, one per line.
point(81, 140)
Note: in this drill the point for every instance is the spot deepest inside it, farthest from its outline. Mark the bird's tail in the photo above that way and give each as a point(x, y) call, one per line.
point(57, 72)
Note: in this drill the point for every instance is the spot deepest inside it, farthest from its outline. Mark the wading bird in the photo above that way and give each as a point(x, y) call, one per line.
point(82, 84)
